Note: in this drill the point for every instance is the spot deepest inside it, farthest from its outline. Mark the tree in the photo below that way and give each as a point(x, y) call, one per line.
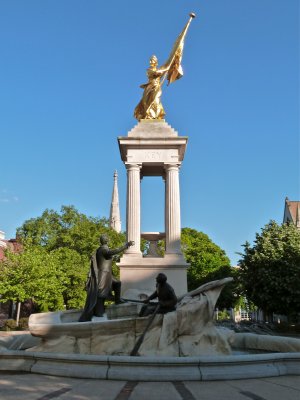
point(68, 229)
point(208, 262)
point(32, 274)
point(74, 268)
point(71, 230)
point(270, 269)
point(204, 256)
point(53, 266)
point(57, 248)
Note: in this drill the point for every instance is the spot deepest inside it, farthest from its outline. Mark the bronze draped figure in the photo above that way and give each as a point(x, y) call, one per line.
point(101, 281)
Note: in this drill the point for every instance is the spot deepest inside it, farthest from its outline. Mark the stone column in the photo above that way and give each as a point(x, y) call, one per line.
point(133, 212)
point(172, 209)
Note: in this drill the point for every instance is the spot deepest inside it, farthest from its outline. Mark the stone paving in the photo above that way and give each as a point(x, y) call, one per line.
point(15, 386)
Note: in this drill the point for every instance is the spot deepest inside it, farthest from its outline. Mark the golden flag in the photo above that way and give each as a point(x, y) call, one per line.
point(174, 61)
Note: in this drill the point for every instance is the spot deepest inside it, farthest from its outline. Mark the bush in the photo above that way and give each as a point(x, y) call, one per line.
point(223, 315)
point(11, 324)
point(23, 323)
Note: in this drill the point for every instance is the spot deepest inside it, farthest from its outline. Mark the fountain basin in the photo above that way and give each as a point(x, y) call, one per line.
point(152, 368)
point(281, 357)
point(187, 331)
point(59, 345)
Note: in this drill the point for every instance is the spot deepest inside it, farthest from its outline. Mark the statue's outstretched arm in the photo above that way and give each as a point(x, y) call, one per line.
point(112, 252)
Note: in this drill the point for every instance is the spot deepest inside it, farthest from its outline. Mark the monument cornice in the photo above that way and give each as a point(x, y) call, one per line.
point(131, 143)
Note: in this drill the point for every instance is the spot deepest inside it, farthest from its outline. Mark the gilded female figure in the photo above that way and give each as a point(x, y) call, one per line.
point(150, 106)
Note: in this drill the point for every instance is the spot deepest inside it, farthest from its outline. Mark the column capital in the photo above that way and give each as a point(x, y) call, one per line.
point(172, 166)
point(133, 166)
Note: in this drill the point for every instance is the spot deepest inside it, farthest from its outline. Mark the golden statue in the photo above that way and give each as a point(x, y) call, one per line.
point(150, 106)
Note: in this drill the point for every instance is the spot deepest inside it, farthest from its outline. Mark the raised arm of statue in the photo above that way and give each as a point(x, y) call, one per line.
point(112, 252)
point(150, 106)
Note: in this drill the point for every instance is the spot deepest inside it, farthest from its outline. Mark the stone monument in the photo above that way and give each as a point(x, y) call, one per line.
point(177, 341)
point(154, 148)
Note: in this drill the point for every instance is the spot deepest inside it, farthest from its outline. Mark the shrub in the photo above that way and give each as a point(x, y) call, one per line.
point(11, 324)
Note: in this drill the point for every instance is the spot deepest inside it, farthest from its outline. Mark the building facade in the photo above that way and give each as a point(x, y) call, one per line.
point(292, 212)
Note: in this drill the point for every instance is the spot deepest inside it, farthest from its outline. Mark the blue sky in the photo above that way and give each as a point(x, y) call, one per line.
point(70, 72)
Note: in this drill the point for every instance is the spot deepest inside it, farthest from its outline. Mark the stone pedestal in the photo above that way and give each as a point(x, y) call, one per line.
point(153, 148)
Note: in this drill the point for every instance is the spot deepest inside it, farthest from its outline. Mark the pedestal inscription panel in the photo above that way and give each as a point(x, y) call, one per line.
point(152, 155)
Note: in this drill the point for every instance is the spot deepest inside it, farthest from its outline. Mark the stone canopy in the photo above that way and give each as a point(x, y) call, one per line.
point(153, 148)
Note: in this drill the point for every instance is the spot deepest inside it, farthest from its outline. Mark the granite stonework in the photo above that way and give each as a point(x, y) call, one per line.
point(188, 331)
point(185, 332)
point(158, 369)
point(153, 148)
point(251, 341)
point(58, 345)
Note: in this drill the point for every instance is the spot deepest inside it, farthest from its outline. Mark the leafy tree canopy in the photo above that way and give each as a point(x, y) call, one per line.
point(208, 262)
point(69, 229)
point(270, 269)
point(204, 256)
point(32, 274)
point(53, 266)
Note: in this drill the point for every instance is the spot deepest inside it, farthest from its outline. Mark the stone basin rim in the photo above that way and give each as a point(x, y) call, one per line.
point(201, 368)
point(156, 359)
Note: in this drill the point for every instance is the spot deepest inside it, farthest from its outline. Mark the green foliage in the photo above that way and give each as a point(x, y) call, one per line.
point(69, 228)
point(204, 256)
point(270, 269)
point(243, 302)
point(11, 325)
point(74, 267)
point(231, 293)
point(223, 315)
point(208, 262)
point(32, 274)
point(53, 265)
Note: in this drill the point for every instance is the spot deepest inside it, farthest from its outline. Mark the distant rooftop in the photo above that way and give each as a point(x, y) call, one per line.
point(11, 244)
point(292, 212)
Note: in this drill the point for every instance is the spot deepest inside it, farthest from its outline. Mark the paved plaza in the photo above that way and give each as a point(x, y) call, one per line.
point(15, 386)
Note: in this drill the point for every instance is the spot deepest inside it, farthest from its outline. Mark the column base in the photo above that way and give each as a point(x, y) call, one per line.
point(127, 257)
point(140, 272)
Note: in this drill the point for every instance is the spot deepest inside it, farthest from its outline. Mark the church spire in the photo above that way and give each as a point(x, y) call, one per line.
point(114, 218)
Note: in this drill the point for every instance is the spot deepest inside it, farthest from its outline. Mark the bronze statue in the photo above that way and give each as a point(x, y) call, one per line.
point(150, 106)
point(167, 299)
point(101, 280)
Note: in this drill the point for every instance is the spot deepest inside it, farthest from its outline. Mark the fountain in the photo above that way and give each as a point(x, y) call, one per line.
point(180, 345)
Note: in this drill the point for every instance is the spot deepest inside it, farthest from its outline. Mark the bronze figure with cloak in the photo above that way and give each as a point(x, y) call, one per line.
point(101, 280)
